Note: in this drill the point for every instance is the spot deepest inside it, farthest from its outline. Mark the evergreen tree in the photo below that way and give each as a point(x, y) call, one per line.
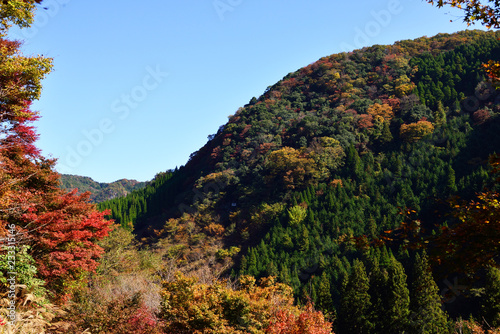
point(252, 263)
point(427, 317)
point(389, 293)
point(450, 183)
point(439, 115)
point(304, 239)
point(397, 303)
point(386, 135)
point(352, 157)
point(491, 303)
point(378, 291)
point(355, 307)
point(325, 302)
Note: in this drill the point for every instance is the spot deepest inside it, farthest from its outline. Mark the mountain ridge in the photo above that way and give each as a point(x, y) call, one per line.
point(100, 191)
point(353, 145)
point(232, 145)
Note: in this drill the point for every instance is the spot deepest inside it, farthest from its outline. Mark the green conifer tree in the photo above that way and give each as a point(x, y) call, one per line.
point(426, 316)
point(325, 301)
point(304, 239)
point(450, 182)
point(355, 304)
point(397, 303)
point(439, 115)
point(252, 263)
point(386, 135)
point(378, 291)
point(352, 157)
point(491, 302)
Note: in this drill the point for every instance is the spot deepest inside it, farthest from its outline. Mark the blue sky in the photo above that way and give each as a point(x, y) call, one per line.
point(138, 86)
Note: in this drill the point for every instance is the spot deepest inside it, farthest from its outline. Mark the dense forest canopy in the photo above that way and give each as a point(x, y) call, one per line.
point(356, 195)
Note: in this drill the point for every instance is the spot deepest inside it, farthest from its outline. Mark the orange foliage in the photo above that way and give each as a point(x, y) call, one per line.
point(365, 121)
point(383, 110)
point(470, 326)
point(245, 130)
point(216, 153)
point(307, 322)
point(214, 229)
point(336, 182)
point(190, 307)
point(475, 240)
point(492, 69)
point(265, 147)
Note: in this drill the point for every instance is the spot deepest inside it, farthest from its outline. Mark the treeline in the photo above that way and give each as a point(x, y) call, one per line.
point(143, 203)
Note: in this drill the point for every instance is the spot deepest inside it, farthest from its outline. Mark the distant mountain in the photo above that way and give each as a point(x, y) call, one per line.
point(100, 191)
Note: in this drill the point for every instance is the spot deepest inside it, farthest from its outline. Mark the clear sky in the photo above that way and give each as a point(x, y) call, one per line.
point(138, 86)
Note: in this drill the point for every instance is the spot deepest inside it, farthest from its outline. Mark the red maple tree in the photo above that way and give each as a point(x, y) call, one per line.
point(61, 228)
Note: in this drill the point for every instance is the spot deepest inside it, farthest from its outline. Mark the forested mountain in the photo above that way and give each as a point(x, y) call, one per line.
point(308, 182)
point(100, 191)
point(359, 194)
point(367, 109)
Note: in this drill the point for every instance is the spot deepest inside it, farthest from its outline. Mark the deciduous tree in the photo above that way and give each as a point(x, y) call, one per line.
point(60, 228)
point(474, 241)
point(416, 131)
point(190, 307)
point(487, 12)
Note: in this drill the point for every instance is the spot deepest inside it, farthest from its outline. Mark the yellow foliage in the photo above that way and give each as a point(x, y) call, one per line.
point(191, 307)
point(328, 142)
point(217, 180)
point(266, 212)
point(20, 13)
point(415, 131)
point(225, 253)
point(483, 11)
point(297, 214)
point(294, 167)
point(404, 86)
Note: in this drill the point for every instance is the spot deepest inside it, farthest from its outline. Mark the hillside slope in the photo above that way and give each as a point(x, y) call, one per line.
point(376, 100)
point(335, 150)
